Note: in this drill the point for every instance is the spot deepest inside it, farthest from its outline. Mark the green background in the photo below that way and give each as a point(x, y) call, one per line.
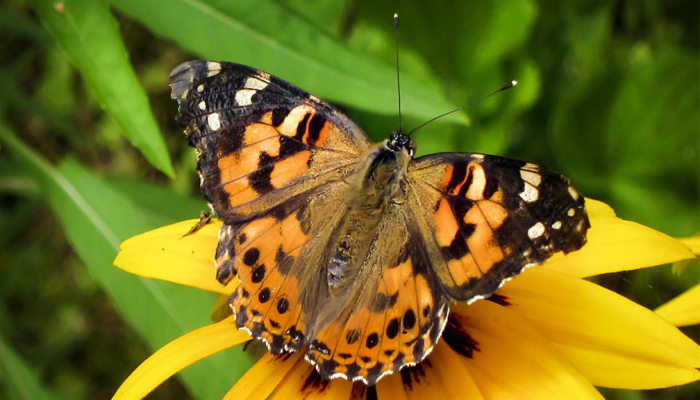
point(90, 154)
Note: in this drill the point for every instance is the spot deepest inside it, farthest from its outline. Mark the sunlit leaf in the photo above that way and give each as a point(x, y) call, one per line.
point(88, 35)
point(267, 36)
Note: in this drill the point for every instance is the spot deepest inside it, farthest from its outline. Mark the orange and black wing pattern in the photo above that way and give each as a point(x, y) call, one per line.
point(352, 249)
point(486, 218)
point(391, 318)
point(259, 139)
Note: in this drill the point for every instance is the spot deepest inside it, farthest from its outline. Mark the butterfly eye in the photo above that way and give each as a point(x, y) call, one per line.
point(412, 148)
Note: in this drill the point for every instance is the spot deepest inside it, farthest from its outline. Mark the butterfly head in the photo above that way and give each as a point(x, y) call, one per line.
point(399, 141)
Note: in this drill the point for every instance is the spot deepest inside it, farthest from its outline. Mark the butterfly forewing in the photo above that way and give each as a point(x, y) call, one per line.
point(260, 140)
point(486, 218)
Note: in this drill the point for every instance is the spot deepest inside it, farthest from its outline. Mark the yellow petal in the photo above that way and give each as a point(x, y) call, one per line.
point(263, 377)
point(694, 244)
point(684, 310)
point(222, 309)
point(513, 361)
point(617, 245)
point(303, 382)
point(165, 254)
point(178, 354)
point(443, 376)
point(597, 209)
point(613, 341)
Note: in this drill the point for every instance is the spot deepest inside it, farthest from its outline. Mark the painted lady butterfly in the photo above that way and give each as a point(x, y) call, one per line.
point(349, 248)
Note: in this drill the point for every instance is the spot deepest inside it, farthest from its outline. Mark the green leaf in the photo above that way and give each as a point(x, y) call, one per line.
point(151, 197)
point(635, 142)
point(96, 219)
point(463, 41)
point(17, 379)
point(88, 35)
point(653, 141)
point(268, 36)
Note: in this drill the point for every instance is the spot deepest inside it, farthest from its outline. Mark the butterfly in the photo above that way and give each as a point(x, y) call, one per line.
point(348, 250)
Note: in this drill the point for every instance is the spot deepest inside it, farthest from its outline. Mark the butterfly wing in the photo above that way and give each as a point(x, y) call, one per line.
point(259, 139)
point(391, 317)
point(269, 154)
point(485, 218)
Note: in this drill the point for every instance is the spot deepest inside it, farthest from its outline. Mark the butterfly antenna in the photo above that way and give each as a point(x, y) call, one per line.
point(470, 104)
point(398, 80)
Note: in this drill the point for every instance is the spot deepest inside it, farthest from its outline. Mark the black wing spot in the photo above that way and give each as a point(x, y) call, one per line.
point(392, 328)
point(372, 340)
point(251, 256)
point(282, 305)
point(258, 274)
point(352, 336)
point(264, 295)
point(409, 319)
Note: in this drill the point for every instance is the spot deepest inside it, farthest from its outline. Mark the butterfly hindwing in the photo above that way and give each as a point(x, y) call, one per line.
point(278, 258)
point(489, 217)
point(391, 317)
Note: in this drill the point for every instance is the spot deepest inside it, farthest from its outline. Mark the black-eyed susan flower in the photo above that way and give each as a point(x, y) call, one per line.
point(548, 333)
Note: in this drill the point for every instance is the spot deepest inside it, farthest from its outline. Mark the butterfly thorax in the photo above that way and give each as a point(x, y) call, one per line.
point(376, 185)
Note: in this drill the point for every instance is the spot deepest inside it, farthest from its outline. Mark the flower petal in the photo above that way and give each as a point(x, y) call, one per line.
point(263, 377)
point(510, 360)
point(617, 245)
point(613, 341)
point(684, 310)
point(165, 254)
point(694, 244)
point(443, 376)
point(304, 382)
point(178, 354)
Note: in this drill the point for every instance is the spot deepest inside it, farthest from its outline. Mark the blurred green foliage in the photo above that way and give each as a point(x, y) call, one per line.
point(609, 95)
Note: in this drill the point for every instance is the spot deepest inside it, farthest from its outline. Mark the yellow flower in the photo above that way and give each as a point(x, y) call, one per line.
point(548, 333)
point(684, 310)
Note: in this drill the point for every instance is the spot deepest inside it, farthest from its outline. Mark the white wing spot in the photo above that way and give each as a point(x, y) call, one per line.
point(556, 225)
point(254, 83)
point(200, 88)
point(529, 193)
point(532, 177)
point(536, 230)
point(574, 194)
point(244, 97)
point(202, 105)
point(571, 212)
point(214, 121)
point(213, 68)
